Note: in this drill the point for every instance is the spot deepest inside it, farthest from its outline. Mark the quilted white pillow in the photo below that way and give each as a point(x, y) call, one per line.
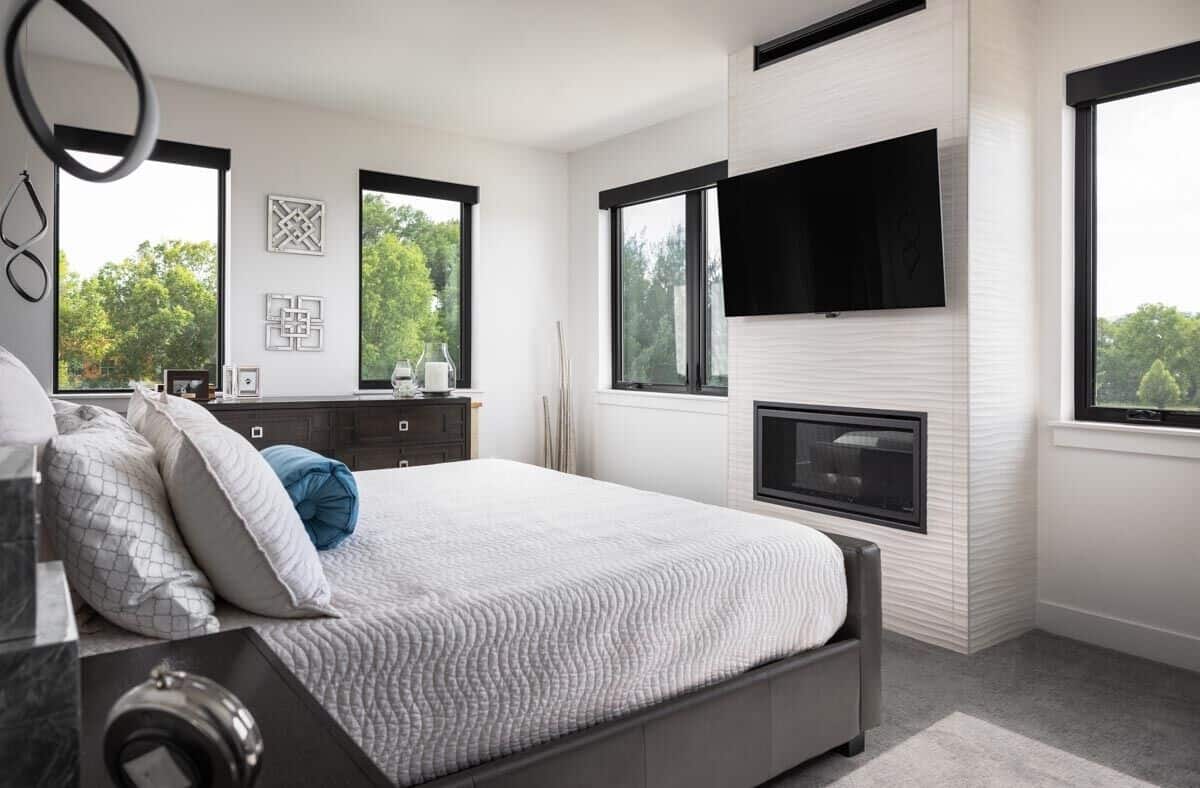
point(235, 516)
point(107, 510)
point(25, 412)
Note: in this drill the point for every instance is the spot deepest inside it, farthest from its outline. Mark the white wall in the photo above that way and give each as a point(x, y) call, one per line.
point(666, 443)
point(520, 279)
point(1118, 529)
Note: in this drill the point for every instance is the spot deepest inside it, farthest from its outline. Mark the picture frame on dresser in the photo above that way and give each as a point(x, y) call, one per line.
point(186, 383)
point(249, 381)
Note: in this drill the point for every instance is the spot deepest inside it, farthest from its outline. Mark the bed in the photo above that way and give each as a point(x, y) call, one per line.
point(506, 625)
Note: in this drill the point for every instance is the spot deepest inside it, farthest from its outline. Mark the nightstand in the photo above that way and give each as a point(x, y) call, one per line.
point(302, 744)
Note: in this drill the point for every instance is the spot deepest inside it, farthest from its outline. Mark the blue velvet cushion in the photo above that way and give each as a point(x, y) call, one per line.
point(323, 490)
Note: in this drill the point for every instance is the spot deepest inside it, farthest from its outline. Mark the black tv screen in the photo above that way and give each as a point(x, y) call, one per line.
point(856, 229)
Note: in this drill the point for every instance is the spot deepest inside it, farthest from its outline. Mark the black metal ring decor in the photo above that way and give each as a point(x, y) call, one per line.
point(21, 248)
point(146, 133)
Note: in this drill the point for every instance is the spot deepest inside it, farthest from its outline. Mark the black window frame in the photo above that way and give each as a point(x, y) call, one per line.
point(692, 184)
point(170, 152)
point(1085, 90)
point(468, 198)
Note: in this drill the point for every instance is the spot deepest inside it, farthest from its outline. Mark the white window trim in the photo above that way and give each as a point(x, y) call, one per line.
point(1127, 438)
point(708, 404)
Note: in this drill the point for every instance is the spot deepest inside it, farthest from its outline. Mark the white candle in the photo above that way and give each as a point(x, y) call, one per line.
point(437, 376)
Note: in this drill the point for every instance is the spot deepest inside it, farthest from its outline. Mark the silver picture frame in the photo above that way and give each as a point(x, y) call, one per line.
point(249, 380)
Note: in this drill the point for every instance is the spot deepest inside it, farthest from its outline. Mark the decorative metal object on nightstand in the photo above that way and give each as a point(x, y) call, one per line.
point(175, 728)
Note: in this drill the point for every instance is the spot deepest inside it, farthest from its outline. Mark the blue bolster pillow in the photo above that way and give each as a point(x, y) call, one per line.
point(323, 491)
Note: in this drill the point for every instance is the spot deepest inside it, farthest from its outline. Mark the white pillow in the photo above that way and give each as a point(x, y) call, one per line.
point(107, 510)
point(235, 516)
point(26, 415)
point(145, 398)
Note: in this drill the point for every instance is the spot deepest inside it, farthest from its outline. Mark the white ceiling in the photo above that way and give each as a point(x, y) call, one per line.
point(555, 75)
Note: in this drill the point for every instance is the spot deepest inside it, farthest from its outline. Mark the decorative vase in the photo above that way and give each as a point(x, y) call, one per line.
point(436, 376)
point(403, 385)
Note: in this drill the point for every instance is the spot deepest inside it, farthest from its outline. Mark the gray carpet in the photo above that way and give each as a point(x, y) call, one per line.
point(1037, 710)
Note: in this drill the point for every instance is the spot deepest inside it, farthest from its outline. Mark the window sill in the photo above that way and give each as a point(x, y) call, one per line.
point(655, 400)
point(1127, 438)
point(118, 402)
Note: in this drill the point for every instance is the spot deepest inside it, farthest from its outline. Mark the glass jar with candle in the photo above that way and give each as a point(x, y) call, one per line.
point(435, 370)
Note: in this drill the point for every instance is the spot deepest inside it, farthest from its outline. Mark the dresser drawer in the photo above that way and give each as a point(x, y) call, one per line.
point(432, 455)
point(310, 428)
point(369, 458)
point(401, 424)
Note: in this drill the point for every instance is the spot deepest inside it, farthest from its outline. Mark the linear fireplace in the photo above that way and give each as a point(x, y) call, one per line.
point(863, 464)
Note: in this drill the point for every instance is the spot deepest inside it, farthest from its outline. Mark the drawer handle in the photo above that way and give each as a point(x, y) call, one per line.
point(404, 425)
point(403, 464)
point(256, 432)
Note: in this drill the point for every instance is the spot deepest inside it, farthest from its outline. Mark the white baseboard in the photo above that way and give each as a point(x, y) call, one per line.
point(1162, 645)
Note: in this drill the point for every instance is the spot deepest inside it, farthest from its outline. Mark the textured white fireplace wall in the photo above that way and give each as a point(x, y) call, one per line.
point(902, 77)
point(1002, 315)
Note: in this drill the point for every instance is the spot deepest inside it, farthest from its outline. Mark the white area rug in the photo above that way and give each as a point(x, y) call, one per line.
point(961, 750)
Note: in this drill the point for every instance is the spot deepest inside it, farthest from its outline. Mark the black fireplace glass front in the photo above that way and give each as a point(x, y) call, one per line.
point(864, 464)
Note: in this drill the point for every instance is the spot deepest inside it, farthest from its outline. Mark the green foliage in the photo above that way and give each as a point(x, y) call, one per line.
point(1152, 342)
point(1158, 387)
point(136, 317)
point(84, 333)
point(397, 298)
point(410, 288)
point(653, 278)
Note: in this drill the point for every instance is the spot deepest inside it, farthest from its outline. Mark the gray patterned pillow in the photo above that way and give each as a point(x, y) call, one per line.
point(232, 510)
point(107, 509)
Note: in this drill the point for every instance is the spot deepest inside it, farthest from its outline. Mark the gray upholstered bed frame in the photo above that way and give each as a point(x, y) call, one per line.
point(736, 734)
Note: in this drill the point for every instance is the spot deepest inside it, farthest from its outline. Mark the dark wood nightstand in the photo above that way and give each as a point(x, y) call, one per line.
point(302, 744)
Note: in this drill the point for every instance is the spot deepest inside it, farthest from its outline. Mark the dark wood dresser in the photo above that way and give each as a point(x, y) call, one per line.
point(363, 432)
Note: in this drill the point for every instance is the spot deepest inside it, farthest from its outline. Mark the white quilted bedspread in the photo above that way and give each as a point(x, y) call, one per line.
point(488, 606)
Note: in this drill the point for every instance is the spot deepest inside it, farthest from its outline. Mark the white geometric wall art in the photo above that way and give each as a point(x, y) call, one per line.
point(295, 225)
point(295, 322)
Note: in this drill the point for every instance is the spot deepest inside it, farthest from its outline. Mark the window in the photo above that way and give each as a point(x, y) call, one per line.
point(414, 273)
point(668, 305)
point(1137, 203)
point(139, 264)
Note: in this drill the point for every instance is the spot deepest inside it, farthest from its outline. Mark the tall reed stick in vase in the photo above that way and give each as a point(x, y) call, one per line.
point(547, 435)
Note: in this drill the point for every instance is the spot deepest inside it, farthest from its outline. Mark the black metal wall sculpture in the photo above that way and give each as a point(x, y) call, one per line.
point(21, 248)
point(146, 132)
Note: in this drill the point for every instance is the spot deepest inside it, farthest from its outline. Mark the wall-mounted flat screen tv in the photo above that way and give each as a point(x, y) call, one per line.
point(856, 229)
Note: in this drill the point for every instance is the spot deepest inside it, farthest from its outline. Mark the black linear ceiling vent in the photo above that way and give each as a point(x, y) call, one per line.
point(847, 23)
